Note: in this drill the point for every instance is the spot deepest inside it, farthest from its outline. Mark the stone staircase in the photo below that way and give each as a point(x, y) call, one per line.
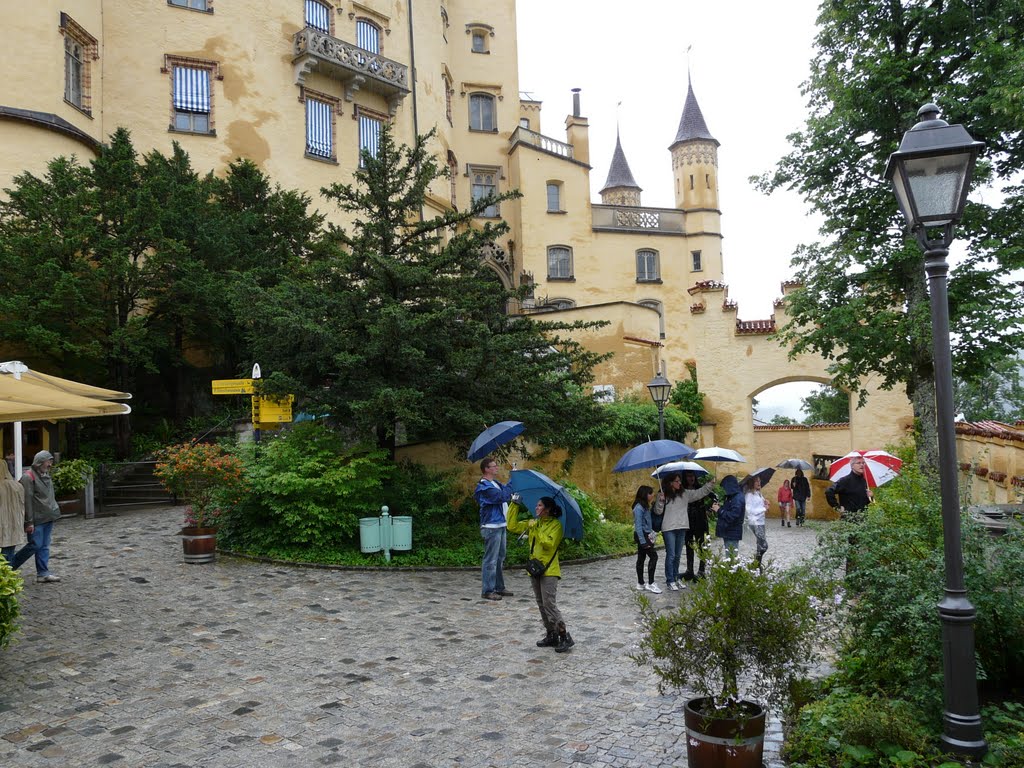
point(128, 484)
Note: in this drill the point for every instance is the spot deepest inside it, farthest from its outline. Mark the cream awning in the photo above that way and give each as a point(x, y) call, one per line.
point(38, 396)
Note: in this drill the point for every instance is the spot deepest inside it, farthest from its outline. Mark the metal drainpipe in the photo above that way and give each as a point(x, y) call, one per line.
point(412, 83)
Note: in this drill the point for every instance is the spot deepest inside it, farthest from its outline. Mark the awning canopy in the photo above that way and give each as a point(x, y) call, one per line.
point(39, 396)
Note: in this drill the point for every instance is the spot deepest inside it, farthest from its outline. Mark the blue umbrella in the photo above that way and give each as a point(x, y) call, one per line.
point(531, 485)
point(652, 454)
point(494, 437)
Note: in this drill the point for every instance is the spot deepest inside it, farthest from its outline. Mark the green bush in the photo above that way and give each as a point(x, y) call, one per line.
point(631, 421)
point(846, 729)
point(70, 477)
point(306, 489)
point(10, 585)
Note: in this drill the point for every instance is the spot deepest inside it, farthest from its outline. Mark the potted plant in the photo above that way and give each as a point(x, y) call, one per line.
point(739, 641)
point(209, 478)
point(70, 478)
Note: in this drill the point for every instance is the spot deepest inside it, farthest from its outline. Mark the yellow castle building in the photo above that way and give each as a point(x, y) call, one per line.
point(301, 86)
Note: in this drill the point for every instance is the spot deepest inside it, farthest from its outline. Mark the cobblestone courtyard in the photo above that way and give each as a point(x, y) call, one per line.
point(137, 659)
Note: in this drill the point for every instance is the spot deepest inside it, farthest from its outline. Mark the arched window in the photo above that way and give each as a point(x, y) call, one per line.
point(647, 268)
point(553, 305)
point(560, 263)
point(367, 35)
point(318, 16)
point(481, 112)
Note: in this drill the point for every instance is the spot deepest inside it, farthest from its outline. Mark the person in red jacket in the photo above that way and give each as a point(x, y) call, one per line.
point(786, 503)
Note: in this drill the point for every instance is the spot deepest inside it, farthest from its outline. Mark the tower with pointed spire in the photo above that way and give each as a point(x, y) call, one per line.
point(694, 159)
point(620, 188)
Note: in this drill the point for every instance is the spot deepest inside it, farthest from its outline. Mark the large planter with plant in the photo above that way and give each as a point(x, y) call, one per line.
point(738, 640)
point(210, 478)
point(70, 479)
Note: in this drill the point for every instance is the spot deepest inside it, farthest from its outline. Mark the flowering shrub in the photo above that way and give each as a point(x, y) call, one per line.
point(757, 626)
point(206, 475)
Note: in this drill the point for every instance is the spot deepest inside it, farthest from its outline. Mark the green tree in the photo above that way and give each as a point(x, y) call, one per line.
point(826, 405)
point(864, 304)
point(399, 324)
point(999, 395)
point(782, 420)
point(687, 397)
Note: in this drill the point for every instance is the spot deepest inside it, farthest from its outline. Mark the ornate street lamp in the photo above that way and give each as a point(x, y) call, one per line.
point(659, 389)
point(931, 174)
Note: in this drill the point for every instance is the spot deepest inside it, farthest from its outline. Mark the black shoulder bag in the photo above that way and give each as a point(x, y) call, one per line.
point(535, 567)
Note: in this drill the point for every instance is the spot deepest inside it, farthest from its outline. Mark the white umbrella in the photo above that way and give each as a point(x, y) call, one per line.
point(677, 466)
point(717, 454)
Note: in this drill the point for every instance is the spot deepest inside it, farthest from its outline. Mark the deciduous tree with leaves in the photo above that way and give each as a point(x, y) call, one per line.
point(864, 303)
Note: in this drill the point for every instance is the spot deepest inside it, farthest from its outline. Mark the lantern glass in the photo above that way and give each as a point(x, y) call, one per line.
point(935, 184)
point(659, 389)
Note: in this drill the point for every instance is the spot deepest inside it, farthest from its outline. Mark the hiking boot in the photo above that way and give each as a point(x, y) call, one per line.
point(492, 596)
point(565, 642)
point(550, 640)
point(505, 593)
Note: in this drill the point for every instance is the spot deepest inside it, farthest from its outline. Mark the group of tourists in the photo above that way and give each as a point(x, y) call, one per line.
point(679, 510)
point(28, 510)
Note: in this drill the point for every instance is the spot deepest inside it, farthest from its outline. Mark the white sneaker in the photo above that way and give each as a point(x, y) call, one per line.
point(652, 587)
point(682, 585)
point(47, 579)
point(639, 587)
point(673, 586)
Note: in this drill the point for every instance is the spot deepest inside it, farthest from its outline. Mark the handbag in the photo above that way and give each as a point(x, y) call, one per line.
point(656, 521)
point(535, 567)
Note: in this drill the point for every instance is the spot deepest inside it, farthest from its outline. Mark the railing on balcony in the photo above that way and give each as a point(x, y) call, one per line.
point(621, 218)
point(355, 67)
point(526, 136)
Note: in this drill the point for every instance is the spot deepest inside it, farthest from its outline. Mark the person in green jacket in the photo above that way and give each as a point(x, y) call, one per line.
point(41, 511)
point(545, 536)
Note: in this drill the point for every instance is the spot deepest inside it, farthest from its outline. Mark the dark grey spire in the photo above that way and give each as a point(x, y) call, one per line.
point(691, 124)
point(619, 174)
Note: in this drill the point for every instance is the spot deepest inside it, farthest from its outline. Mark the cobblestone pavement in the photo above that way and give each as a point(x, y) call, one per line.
point(137, 659)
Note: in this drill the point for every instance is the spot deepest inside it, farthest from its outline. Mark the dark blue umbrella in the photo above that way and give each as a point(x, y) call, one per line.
point(652, 454)
point(531, 485)
point(494, 437)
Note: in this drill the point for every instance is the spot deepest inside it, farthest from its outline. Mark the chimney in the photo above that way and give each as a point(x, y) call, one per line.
point(577, 131)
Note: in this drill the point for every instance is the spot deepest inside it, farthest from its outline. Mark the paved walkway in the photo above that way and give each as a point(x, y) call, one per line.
point(137, 659)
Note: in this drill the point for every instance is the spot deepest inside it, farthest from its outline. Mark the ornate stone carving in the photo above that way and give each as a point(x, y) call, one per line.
point(637, 219)
point(497, 255)
point(315, 49)
point(695, 153)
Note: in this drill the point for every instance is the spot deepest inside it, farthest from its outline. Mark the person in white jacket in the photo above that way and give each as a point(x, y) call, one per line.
point(756, 506)
point(673, 502)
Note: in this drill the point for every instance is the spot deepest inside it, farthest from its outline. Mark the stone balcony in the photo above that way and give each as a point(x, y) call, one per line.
point(647, 221)
point(523, 135)
point(355, 68)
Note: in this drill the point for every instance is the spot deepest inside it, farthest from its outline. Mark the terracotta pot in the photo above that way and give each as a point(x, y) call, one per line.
point(72, 505)
point(199, 544)
point(724, 742)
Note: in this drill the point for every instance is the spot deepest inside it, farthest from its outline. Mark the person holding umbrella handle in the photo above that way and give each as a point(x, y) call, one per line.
point(493, 498)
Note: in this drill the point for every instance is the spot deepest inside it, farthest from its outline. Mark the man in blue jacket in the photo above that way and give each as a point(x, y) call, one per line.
point(493, 498)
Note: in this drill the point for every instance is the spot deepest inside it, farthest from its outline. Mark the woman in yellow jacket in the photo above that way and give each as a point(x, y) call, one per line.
point(545, 538)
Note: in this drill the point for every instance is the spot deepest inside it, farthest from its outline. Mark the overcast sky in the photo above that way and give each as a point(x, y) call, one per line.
point(747, 61)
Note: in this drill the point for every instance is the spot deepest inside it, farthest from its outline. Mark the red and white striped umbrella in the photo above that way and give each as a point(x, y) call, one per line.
point(879, 467)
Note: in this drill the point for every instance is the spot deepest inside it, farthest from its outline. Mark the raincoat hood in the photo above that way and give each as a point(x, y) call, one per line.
point(730, 485)
point(40, 458)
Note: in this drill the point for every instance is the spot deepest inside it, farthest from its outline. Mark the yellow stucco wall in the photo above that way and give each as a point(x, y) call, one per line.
point(991, 466)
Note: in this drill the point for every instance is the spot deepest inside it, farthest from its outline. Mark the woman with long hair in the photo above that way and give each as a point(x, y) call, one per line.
point(697, 512)
point(786, 503)
point(545, 536)
point(756, 506)
point(12, 514)
point(673, 503)
point(643, 535)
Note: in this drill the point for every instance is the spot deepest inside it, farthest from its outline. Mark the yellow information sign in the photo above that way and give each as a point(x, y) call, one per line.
point(270, 410)
point(233, 387)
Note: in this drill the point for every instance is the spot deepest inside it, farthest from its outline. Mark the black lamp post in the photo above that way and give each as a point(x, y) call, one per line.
point(659, 389)
point(931, 174)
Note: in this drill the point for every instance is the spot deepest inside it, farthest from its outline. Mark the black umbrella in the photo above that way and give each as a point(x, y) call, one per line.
point(764, 474)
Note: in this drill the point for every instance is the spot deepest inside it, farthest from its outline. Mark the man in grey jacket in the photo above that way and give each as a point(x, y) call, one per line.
point(41, 511)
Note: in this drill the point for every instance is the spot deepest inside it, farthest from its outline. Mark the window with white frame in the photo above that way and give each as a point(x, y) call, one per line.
point(554, 189)
point(318, 16)
point(559, 262)
point(367, 35)
point(481, 112)
point(369, 135)
point(319, 129)
point(647, 266)
point(192, 102)
point(195, 5)
point(695, 255)
point(524, 122)
point(484, 182)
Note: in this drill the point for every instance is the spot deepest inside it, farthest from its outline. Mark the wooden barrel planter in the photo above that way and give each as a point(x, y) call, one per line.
point(724, 742)
point(199, 544)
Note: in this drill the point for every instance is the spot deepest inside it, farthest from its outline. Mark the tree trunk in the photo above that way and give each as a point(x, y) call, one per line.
point(921, 384)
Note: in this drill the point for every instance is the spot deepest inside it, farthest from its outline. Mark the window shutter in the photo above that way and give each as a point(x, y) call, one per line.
point(191, 89)
point(318, 16)
point(318, 128)
point(367, 36)
point(369, 135)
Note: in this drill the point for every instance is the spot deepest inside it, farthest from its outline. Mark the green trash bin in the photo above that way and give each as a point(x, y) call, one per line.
point(369, 534)
point(401, 533)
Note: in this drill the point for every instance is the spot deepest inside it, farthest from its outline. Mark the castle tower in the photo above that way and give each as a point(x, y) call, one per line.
point(620, 188)
point(695, 160)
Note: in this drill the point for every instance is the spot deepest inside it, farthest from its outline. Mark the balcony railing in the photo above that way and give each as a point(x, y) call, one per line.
point(355, 67)
point(526, 136)
point(620, 218)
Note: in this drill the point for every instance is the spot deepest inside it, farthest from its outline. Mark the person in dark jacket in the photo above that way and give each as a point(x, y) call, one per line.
point(729, 527)
point(850, 493)
point(698, 530)
point(801, 493)
point(493, 498)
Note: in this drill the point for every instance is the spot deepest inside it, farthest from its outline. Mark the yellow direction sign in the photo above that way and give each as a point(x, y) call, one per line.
point(233, 387)
point(269, 410)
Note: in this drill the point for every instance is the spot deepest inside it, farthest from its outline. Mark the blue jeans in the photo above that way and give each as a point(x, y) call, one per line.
point(731, 546)
point(38, 545)
point(494, 556)
point(16, 559)
point(674, 541)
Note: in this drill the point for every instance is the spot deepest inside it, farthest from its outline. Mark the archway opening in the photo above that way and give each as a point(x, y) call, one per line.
point(800, 402)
